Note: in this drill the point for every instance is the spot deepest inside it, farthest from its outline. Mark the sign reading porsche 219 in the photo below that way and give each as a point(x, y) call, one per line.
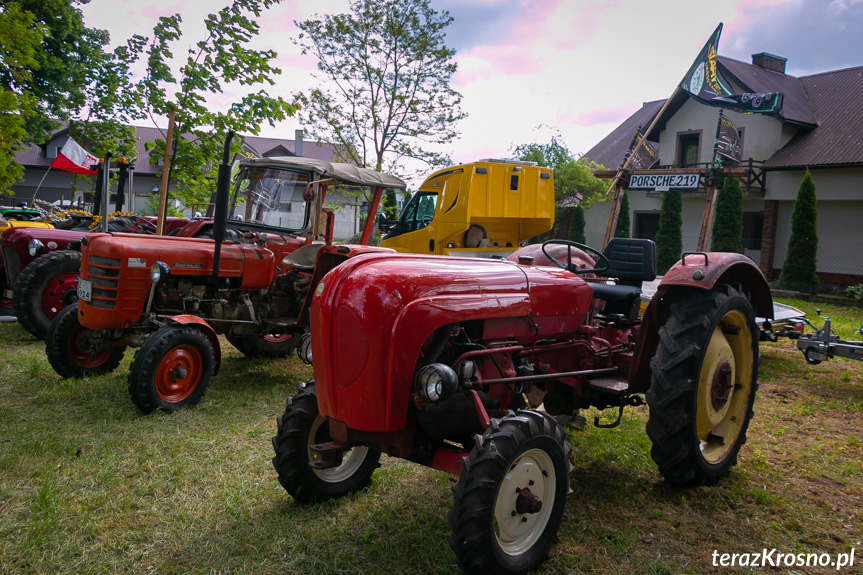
point(663, 182)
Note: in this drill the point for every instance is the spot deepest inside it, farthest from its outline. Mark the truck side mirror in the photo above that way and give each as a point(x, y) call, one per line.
point(383, 223)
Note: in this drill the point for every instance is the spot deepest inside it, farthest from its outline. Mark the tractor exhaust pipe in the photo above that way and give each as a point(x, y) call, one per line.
point(221, 216)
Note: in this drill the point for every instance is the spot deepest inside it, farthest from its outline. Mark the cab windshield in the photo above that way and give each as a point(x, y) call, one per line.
point(416, 215)
point(271, 197)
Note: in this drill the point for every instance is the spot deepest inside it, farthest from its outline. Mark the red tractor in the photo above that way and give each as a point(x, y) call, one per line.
point(446, 362)
point(171, 296)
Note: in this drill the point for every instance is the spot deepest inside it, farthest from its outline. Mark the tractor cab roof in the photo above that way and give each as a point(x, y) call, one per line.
point(345, 173)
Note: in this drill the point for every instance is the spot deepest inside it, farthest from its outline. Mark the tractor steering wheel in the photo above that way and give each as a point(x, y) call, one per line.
point(144, 224)
point(603, 262)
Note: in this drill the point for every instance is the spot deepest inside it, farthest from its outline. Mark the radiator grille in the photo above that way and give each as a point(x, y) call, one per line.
point(103, 272)
point(13, 266)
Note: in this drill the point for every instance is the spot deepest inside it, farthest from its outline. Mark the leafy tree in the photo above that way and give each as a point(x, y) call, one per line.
point(799, 268)
point(68, 61)
point(53, 68)
point(387, 73)
point(572, 178)
point(727, 234)
point(223, 57)
point(669, 237)
point(576, 225)
point(20, 36)
point(625, 219)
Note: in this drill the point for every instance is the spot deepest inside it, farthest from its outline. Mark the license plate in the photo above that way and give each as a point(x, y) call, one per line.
point(85, 290)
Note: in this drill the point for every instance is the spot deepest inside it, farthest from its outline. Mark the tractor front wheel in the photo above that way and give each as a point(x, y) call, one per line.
point(268, 346)
point(300, 427)
point(75, 351)
point(43, 288)
point(511, 495)
point(171, 370)
point(703, 386)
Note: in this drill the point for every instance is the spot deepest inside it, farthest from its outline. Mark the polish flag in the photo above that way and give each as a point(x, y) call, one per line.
point(74, 158)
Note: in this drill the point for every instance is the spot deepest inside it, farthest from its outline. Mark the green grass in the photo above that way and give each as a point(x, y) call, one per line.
point(90, 485)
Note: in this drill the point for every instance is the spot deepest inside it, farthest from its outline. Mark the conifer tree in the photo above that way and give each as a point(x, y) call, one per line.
point(727, 235)
point(623, 220)
point(390, 205)
point(576, 225)
point(799, 269)
point(669, 237)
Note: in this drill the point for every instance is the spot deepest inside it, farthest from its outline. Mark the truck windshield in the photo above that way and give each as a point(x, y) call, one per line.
point(418, 213)
point(271, 197)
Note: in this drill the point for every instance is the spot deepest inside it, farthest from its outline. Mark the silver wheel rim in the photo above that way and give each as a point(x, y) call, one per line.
point(351, 462)
point(516, 533)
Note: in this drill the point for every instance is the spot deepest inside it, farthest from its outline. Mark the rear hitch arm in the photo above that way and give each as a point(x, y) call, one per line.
point(633, 400)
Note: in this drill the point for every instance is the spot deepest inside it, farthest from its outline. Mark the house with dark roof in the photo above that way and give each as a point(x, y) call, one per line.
point(51, 185)
point(820, 128)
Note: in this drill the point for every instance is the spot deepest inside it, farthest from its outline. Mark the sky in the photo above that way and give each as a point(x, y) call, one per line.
point(532, 69)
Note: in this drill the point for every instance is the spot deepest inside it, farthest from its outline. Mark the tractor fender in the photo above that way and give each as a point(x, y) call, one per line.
point(196, 322)
point(701, 271)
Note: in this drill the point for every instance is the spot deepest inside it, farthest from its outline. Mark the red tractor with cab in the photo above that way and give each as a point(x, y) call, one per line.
point(171, 296)
point(462, 365)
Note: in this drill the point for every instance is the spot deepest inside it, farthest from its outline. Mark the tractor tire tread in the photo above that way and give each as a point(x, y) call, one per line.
point(27, 295)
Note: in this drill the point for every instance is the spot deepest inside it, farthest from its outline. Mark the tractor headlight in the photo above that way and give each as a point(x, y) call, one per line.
point(304, 349)
point(435, 382)
point(35, 247)
point(159, 271)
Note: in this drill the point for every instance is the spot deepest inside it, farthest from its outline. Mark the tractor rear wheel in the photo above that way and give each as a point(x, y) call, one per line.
point(511, 495)
point(44, 287)
point(75, 351)
point(703, 386)
point(269, 346)
point(300, 427)
point(171, 370)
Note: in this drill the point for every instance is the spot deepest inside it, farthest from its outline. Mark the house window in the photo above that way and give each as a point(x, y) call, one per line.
point(646, 225)
point(687, 148)
point(753, 225)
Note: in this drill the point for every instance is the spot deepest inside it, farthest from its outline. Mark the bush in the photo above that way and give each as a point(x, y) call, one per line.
point(727, 234)
point(576, 225)
point(855, 291)
point(669, 237)
point(624, 219)
point(799, 269)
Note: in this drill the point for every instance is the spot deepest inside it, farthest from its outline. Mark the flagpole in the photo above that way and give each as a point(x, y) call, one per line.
point(40, 182)
point(615, 204)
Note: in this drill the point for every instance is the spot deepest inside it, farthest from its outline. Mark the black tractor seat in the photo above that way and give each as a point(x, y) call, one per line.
point(614, 292)
point(631, 262)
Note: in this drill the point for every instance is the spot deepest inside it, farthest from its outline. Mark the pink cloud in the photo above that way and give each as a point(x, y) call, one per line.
point(600, 116)
point(286, 60)
point(155, 12)
point(744, 9)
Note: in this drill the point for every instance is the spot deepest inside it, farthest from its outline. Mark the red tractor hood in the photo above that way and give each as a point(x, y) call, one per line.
point(22, 236)
point(371, 315)
point(119, 266)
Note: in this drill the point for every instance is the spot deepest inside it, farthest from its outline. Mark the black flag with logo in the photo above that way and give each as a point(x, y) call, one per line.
point(705, 83)
point(644, 154)
point(727, 141)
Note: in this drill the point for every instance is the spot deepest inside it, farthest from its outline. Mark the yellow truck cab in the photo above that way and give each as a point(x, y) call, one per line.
point(482, 209)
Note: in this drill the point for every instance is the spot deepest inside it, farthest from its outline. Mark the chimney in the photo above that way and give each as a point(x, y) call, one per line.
point(769, 62)
point(298, 142)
